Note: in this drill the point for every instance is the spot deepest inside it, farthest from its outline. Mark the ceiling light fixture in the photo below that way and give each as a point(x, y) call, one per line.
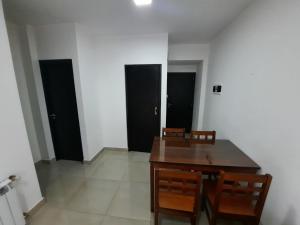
point(142, 2)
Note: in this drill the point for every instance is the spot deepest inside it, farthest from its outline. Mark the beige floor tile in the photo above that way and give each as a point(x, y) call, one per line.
point(115, 155)
point(139, 157)
point(75, 218)
point(137, 171)
point(47, 173)
point(132, 201)
point(76, 168)
point(110, 169)
point(94, 196)
point(173, 221)
point(47, 216)
point(50, 215)
point(62, 189)
point(121, 221)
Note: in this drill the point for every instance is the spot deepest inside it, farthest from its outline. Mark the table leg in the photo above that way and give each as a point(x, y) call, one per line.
point(152, 186)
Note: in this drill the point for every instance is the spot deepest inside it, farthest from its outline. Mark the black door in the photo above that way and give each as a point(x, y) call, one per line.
point(180, 102)
point(58, 83)
point(143, 88)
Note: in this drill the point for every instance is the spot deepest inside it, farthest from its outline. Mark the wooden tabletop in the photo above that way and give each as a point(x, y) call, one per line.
point(180, 151)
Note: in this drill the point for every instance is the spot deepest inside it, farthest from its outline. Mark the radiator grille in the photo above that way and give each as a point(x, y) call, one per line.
point(10, 210)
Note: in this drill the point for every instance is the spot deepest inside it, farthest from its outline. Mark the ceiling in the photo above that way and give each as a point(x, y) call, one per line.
point(186, 21)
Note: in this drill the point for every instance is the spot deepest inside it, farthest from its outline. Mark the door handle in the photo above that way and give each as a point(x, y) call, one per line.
point(155, 111)
point(52, 116)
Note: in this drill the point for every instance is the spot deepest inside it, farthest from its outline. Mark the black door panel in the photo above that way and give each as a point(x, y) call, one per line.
point(59, 88)
point(180, 101)
point(143, 93)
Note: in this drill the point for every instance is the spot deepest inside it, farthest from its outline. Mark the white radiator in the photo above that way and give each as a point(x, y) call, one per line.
point(10, 210)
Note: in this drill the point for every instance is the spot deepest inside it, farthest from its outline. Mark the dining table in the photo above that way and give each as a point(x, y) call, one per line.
point(184, 154)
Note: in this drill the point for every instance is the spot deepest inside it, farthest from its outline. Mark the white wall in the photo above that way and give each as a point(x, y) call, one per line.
point(91, 91)
point(27, 90)
point(49, 155)
point(197, 53)
point(112, 53)
point(16, 50)
point(189, 52)
point(257, 60)
point(15, 150)
point(182, 68)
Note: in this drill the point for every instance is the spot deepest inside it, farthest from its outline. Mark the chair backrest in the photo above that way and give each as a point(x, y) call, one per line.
point(251, 187)
point(173, 132)
point(203, 137)
point(178, 182)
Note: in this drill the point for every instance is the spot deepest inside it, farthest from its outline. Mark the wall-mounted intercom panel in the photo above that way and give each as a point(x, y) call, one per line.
point(217, 89)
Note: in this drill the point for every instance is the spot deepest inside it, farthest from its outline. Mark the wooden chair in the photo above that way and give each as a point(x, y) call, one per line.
point(177, 193)
point(173, 132)
point(203, 137)
point(236, 196)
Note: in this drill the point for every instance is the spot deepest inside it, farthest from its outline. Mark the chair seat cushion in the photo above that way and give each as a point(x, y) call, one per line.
point(229, 204)
point(175, 201)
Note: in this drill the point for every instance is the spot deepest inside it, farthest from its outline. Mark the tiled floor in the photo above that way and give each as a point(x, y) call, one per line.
point(113, 190)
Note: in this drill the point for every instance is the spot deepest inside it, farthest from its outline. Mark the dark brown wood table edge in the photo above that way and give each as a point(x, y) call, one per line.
point(169, 165)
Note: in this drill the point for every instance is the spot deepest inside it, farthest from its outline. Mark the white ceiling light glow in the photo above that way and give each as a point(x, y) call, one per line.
point(142, 2)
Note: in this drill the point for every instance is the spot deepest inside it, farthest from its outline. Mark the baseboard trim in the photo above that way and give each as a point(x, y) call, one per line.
point(48, 161)
point(36, 208)
point(95, 157)
point(116, 149)
point(102, 151)
point(38, 163)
